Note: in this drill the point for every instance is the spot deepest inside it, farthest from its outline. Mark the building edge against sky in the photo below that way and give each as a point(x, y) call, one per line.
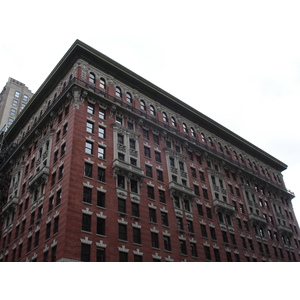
point(109, 167)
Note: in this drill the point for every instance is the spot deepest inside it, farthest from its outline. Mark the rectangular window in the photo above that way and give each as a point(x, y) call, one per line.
point(167, 243)
point(152, 215)
point(85, 252)
point(135, 209)
point(134, 186)
point(89, 127)
point(162, 197)
point(164, 218)
point(101, 132)
point(120, 139)
point(87, 195)
point(123, 256)
point(91, 108)
point(160, 176)
point(123, 232)
point(102, 113)
point(101, 152)
point(101, 174)
point(48, 230)
point(157, 156)
point(145, 134)
point(183, 247)
point(101, 226)
point(136, 235)
point(100, 255)
point(100, 199)
point(121, 205)
point(89, 147)
point(88, 169)
point(147, 152)
point(203, 230)
point(150, 190)
point(56, 223)
point(86, 222)
point(149, 171)
point(207, 252)
point(154, 240)
point(121, 181)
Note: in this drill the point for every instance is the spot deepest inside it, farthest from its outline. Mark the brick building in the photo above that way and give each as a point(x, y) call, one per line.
point(109, 167)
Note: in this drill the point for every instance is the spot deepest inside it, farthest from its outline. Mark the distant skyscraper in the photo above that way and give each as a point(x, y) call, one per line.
point(13, 98)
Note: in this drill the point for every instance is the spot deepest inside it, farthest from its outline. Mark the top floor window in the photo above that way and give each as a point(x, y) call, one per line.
point(203, 137)
point(92, 78)
point(118, 92)
point(25, 98)
point(152, 110)
point(102, 83)
point(173, 122)
point(129, 98)
point(193, 133)
point(185, 129)
point(143, 105)
point(17, 94)
point(91, 108)
point(165, 117)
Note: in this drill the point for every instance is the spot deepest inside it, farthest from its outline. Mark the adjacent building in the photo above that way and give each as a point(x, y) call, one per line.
point(109, 167)
point(13, 98)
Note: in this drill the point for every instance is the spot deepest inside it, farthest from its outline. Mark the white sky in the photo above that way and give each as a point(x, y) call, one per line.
point(238, 62)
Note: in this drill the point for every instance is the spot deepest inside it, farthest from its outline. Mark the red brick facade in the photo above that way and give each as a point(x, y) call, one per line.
point(103, 176)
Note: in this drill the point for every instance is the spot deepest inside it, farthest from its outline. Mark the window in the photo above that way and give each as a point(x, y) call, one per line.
point(135, 209)
point(63, 149)
point(165, 117)
point(136, 235)
point(15, 103)
point(48, 230)
point(120, 138)
point(91, 108)
point(123, 232)
point(92, 78)
point(147, 152)
point(101, 174)
point(142, 105)
point(162, 197)
point(160, 176)
point(86, 222)
point(152, 110)
point(146, 134)
point(101, 152)
point(157, 156)
point(85, 252)
point(190, 226)
point(100, 199)
point(13, 112)
point(167, 243)
point(89, 147)
point(60, 172)
point(203, 230)
point(101, 226)
point(154, 240)
point(88, 169)
point(102, 113)
point(87, 195)
point(179, 223)
point(102, 84)
point(25, 98)
point(123, 256)
point(134, 186)
point(152, 215)
point(193, 133)
point(156, 139)
point(185, 129)
point(173, 121)
point(56, 222)
point(129, 98)
point(150, 190)
point(118, 92)
point(100, 255)
point(183, 247)
point(121, 181)
point(149, 171)
point(17, 94)
point(121, 205)
point(89, 127)
point(164, 218)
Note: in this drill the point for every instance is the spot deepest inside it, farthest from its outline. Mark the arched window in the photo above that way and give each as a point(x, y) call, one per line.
point(118, 92)
point(143, 105)
point(203, 137)
point(241, 158)
point(102, 84)
point(235, 155)
point(193, 133)
point(165, 117)
point(249, 163)
point(220, 146)
point(152, 110)
point(227, 150)
point(92, 78)
point(210, 141)
point(129, 98)
point(173, 121)
point(185, 129)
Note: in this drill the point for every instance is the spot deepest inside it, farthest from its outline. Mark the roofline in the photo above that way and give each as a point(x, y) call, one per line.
point(81, 50)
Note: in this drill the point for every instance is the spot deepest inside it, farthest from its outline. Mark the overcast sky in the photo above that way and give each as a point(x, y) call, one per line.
point(238, 62)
